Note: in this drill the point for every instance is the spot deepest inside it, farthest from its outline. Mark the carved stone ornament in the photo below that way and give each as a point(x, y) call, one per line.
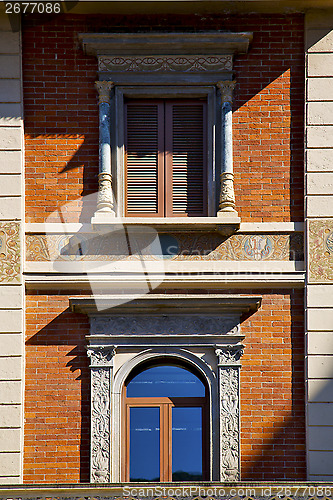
point(165, 324)
point(175, 63)
point(227, 193)
point(100, 426)
point(226, 89)
point(105, 194)
point(103, 89)
point(229, 354)
point(229, 424)
point(101, 356)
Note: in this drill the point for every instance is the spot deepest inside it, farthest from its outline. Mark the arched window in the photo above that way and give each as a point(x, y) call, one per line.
point(166, 424)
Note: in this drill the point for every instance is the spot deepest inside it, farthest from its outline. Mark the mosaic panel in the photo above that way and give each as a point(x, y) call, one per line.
point(9, 252)
point(180, 246)
point(321, 250)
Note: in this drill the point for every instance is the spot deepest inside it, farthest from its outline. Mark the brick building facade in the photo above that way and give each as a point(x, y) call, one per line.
point(240, 297)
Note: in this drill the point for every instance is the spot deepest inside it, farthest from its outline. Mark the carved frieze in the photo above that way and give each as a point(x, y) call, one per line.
point(174, 63)
point(207, 246)
point(165, 324)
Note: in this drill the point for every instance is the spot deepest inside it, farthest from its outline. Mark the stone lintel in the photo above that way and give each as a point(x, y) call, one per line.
point(162, 304)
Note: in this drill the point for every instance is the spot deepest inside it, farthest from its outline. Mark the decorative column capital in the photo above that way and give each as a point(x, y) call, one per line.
point(226, 88)
point(101, 356)
point(104, 88)
point(229, 354)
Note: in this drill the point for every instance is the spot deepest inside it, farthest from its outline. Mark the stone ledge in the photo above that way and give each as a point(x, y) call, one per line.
point(225, 225)
point(236, 489)
point(116, 282)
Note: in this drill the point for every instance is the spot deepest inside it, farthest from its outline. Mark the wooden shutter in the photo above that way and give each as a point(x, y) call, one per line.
point(165, 158)
point(186, 184)
point(144, 158)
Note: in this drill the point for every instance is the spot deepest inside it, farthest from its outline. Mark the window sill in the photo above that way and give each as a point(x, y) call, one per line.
point(225, 224)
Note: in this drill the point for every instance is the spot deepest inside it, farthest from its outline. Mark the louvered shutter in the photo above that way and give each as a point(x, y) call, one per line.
point(165, 158)
point(186, 184)
point(144, 158)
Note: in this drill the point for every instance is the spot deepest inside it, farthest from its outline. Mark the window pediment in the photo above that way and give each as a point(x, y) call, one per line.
point(143, 44)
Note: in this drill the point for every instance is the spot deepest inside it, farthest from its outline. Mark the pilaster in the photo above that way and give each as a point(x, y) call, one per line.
point(319, 248)
point(101, 365)
point(11, 245)
point(229, 410)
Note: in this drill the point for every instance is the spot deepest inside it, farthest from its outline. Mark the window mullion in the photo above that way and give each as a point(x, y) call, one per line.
point(161, 189)
point(168, 175)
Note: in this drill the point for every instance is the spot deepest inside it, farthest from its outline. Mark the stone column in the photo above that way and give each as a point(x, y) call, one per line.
point(105, 196)
point(101, 365)
point(227, 194)
point(228, 384)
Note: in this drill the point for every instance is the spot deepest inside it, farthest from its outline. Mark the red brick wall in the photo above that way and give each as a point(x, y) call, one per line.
point(272, 389)
point(61, 115)
point(57, 391)
point(57, 394)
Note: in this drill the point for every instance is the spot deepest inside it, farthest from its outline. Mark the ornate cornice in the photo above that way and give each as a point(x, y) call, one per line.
point(157, 44)
point(181, 64)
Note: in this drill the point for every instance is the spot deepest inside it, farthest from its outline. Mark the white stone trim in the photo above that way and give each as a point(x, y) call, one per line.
point(158, 266)
point(245, 227)
point(108, 283)
point(151, 354)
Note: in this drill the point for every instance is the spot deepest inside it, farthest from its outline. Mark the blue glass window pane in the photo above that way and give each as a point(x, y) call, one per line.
point(187, 444)
point(165, 381)
point(144, 444)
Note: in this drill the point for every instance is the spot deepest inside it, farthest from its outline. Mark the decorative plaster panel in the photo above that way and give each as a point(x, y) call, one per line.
point(320, 250)
point(180, 246)
point(9, 252)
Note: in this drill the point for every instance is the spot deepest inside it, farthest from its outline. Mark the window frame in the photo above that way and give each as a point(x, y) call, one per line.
point(121, 93)
point(165, 404)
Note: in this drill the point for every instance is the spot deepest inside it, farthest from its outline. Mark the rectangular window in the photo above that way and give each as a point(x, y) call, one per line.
point(165, 158)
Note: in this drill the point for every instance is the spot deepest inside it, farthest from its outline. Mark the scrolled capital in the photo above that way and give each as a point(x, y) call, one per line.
point(101, 356)
point(104, 88)
point(226, 88)
point(229, 354)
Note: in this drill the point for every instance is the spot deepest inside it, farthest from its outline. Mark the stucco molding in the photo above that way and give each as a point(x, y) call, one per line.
point(181, 63)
